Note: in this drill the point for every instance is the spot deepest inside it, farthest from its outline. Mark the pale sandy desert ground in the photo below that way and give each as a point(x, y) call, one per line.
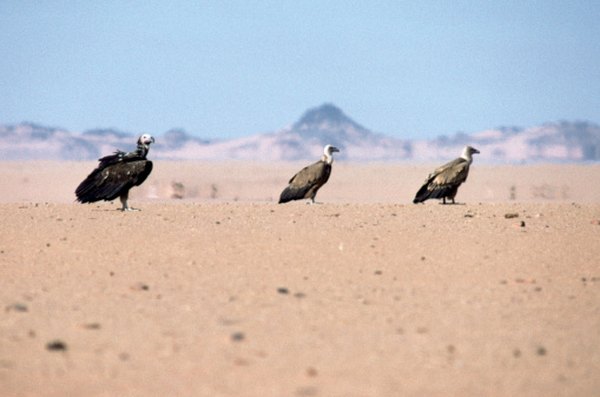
point(225, 293)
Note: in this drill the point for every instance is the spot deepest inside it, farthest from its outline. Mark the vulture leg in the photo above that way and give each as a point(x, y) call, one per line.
point(443, 200)
point(124, 199)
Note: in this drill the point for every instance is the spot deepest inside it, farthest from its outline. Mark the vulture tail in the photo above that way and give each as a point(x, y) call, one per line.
point(292, 193)
point(92, 189)
point(422, 195)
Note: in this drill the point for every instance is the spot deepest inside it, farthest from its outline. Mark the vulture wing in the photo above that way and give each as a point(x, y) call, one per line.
point(306, 182)
point(113, 178)
point(441, 182)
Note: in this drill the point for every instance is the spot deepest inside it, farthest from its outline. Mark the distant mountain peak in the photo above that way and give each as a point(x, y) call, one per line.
point(327, 113)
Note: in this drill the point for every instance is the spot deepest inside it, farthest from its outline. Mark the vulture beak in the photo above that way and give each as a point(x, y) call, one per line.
point(333, 149)
point(474, 150)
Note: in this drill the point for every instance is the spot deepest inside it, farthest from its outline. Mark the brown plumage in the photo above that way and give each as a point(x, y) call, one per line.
point(116, 175)
point(444, 181)
point(307, 182)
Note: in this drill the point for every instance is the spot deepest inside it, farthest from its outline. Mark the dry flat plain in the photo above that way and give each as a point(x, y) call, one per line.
point(222, 292)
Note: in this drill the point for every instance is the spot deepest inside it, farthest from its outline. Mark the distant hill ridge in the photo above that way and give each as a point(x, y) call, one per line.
point(304, 140)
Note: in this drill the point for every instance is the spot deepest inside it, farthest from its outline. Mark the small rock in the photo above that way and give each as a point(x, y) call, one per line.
point(522, 224)
point(56, 345)
point(516, 353)
point(311, 372)
point(238, 336)
point(541, 351)
point(511, 215)
point(91, 326)
point(378, 272)
point(17, 307)
point(283, 290)
point(140, 287)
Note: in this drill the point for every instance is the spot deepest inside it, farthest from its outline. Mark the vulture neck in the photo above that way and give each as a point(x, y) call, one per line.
point(467, 156)
point(142, 149)
point(327, 158)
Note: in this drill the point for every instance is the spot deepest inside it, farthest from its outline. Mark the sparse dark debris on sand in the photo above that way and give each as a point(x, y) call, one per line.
point(56, 345)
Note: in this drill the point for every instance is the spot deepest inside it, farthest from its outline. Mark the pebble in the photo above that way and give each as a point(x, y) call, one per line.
point(541, 351)
point(56, 345)
point(17, 307)
point(511, 215)
point(311, 372)
point(91, 326)
point(238, 336)
point(283, 290)
point(140, 287)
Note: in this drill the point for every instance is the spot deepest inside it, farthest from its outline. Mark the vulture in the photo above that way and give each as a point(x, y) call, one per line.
point(116, 174)
point(306, 183)
point(444, 181)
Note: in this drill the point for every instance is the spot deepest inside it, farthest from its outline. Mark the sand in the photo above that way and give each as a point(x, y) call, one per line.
point(228, 294)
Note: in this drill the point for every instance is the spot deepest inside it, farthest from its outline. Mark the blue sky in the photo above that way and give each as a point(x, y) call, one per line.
point(223, 69)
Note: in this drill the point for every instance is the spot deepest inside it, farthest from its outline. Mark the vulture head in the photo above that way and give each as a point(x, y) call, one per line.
point(328, 151)
point(145, 140)
point(468, 153)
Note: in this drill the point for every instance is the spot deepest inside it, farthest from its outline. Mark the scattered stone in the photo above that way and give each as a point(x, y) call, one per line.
point(300, 295)
point(469, 215)
point(311, 372)
point(378, 272)
point(522, 224)
point(511, 215)
point(541, 351)
point(516, 353)
point(17, 307)
point(451, 349)
point(56, 345)
point(283, 290)
point(124, 356)
point(140, 287)
point(91, 326)
point(238, 336)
